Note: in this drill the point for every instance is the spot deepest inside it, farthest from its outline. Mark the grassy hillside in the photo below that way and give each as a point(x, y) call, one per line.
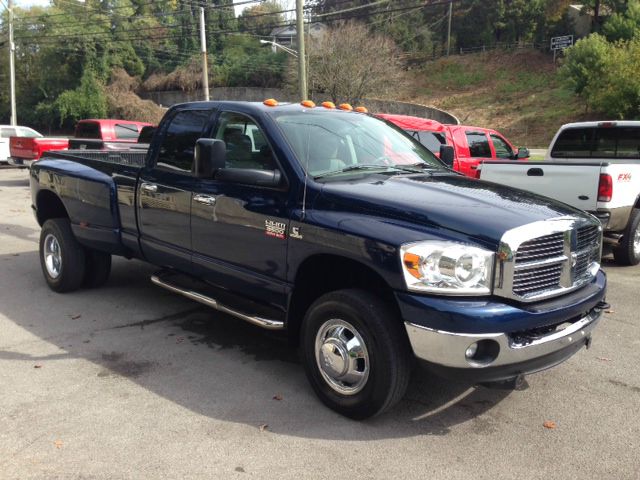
point(517, 93)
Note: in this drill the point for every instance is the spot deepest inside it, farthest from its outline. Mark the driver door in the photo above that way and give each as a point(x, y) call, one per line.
point(239, 232)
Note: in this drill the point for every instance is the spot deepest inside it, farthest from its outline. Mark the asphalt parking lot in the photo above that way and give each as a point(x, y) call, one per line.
point(130, 381)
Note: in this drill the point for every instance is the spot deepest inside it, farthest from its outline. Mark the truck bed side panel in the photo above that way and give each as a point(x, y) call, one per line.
point(89, 197)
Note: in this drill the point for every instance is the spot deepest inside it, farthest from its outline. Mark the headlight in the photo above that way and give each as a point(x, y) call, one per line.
point(447, 268)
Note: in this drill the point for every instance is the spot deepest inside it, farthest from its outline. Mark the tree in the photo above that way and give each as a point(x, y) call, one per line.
point(348, 63)
point(624, 25)
point(585, 64)
point(260, 19)
point(605, 75)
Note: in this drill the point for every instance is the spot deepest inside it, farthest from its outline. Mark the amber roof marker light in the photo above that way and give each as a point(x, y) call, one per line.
point(361, 109)
point(345, 106)
point(308, 103)
point(329, 105)
point(271, 102)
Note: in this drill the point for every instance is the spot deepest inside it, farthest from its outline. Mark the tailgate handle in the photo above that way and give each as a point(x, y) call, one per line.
point(535, 172)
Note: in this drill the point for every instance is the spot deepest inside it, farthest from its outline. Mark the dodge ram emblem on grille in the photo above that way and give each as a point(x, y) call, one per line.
point(574, 259)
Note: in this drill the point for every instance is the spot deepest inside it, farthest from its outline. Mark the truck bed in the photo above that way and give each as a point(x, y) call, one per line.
point(130, 158)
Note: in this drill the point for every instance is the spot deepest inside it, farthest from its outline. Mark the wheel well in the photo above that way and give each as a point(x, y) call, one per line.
point(49, 205)
point(322, 274)
point(637, 204)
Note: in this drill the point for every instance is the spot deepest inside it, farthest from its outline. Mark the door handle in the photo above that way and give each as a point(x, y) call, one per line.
point(205, 199)
point(149, 187)
point(535, 172)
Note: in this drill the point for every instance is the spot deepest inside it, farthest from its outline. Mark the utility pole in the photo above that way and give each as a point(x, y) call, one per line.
point(203, 45)
point(12, 66)
point(449, 28)
point(302, 71)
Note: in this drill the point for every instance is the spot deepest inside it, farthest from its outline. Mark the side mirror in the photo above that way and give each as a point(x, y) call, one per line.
point(447, 154)
point(209, 156)
point(523, 152)
point(250, 176)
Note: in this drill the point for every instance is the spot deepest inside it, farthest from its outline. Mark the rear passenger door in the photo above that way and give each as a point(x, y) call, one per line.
point(164, 191)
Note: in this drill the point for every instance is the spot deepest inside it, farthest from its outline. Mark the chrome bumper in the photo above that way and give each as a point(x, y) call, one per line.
point(448, 349)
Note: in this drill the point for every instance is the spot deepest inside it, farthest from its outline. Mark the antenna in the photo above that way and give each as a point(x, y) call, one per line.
point(306, 174)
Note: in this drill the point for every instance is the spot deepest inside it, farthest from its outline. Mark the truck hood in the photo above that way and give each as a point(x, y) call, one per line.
point(475, 209)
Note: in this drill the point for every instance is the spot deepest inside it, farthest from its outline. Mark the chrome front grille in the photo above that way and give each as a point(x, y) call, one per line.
point(541, 248)
point(548, 258)
point(536, 279)
point(586, 254)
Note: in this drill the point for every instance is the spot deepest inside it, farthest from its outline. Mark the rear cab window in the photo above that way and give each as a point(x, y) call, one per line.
point(598, 142)
point(28, 133)
point(88, 130)
point(126, 131)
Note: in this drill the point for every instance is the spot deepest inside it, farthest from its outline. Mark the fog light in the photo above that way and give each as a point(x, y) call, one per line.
point(471, 350)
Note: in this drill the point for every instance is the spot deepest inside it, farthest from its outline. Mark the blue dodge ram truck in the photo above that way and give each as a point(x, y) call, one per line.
point(339, 229)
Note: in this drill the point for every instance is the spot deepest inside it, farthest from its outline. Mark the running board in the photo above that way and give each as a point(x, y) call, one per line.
point(210, 302)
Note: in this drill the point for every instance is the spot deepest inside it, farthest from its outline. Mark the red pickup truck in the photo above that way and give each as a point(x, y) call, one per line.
point(93, 134)
point(472, 145)
point(104, 134)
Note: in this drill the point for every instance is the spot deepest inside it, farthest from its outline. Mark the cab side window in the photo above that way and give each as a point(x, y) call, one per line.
point(503, 150)
point(178, 146)
point(245, 143)
point(478, 145)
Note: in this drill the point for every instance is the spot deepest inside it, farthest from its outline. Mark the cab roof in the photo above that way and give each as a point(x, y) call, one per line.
point(407, 122)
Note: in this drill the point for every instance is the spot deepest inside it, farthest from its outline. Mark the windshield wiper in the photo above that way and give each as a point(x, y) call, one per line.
point(353, 168)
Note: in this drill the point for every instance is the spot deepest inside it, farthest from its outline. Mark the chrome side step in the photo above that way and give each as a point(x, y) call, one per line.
point(210, 302)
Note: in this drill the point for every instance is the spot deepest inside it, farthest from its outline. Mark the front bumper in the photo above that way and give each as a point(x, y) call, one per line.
point(511, 340)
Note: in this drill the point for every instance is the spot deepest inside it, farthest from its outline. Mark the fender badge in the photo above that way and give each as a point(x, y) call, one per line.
point(295, 233)
point(275, 229)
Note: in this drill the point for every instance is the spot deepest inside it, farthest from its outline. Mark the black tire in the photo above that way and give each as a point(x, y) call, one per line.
point(387, 347)
point(628, 252)
point(98, 268)
point(70, 264)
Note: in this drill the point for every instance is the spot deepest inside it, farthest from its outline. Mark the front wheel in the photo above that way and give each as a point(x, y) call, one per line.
point(356, 353)
point(62, 258)
point(628, 252)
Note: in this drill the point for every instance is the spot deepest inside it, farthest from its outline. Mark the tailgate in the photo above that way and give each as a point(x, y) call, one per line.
point(572, 183)
point(21, 147)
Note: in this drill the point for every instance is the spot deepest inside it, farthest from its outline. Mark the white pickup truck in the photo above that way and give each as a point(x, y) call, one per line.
point(594, 166)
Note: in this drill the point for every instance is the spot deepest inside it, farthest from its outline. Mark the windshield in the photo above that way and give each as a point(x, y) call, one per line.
point(327, 143)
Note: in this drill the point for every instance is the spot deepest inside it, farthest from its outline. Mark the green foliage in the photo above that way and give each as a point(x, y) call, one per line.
point(623, 26)
point(259, 19)
point(585, 63)
point(605, 75)
point(245, 62)
point(87, 101)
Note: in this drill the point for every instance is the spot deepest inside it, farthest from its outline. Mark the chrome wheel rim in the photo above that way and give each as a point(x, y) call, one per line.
point(52, 256)
point(342, 357)
point(636, 241)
